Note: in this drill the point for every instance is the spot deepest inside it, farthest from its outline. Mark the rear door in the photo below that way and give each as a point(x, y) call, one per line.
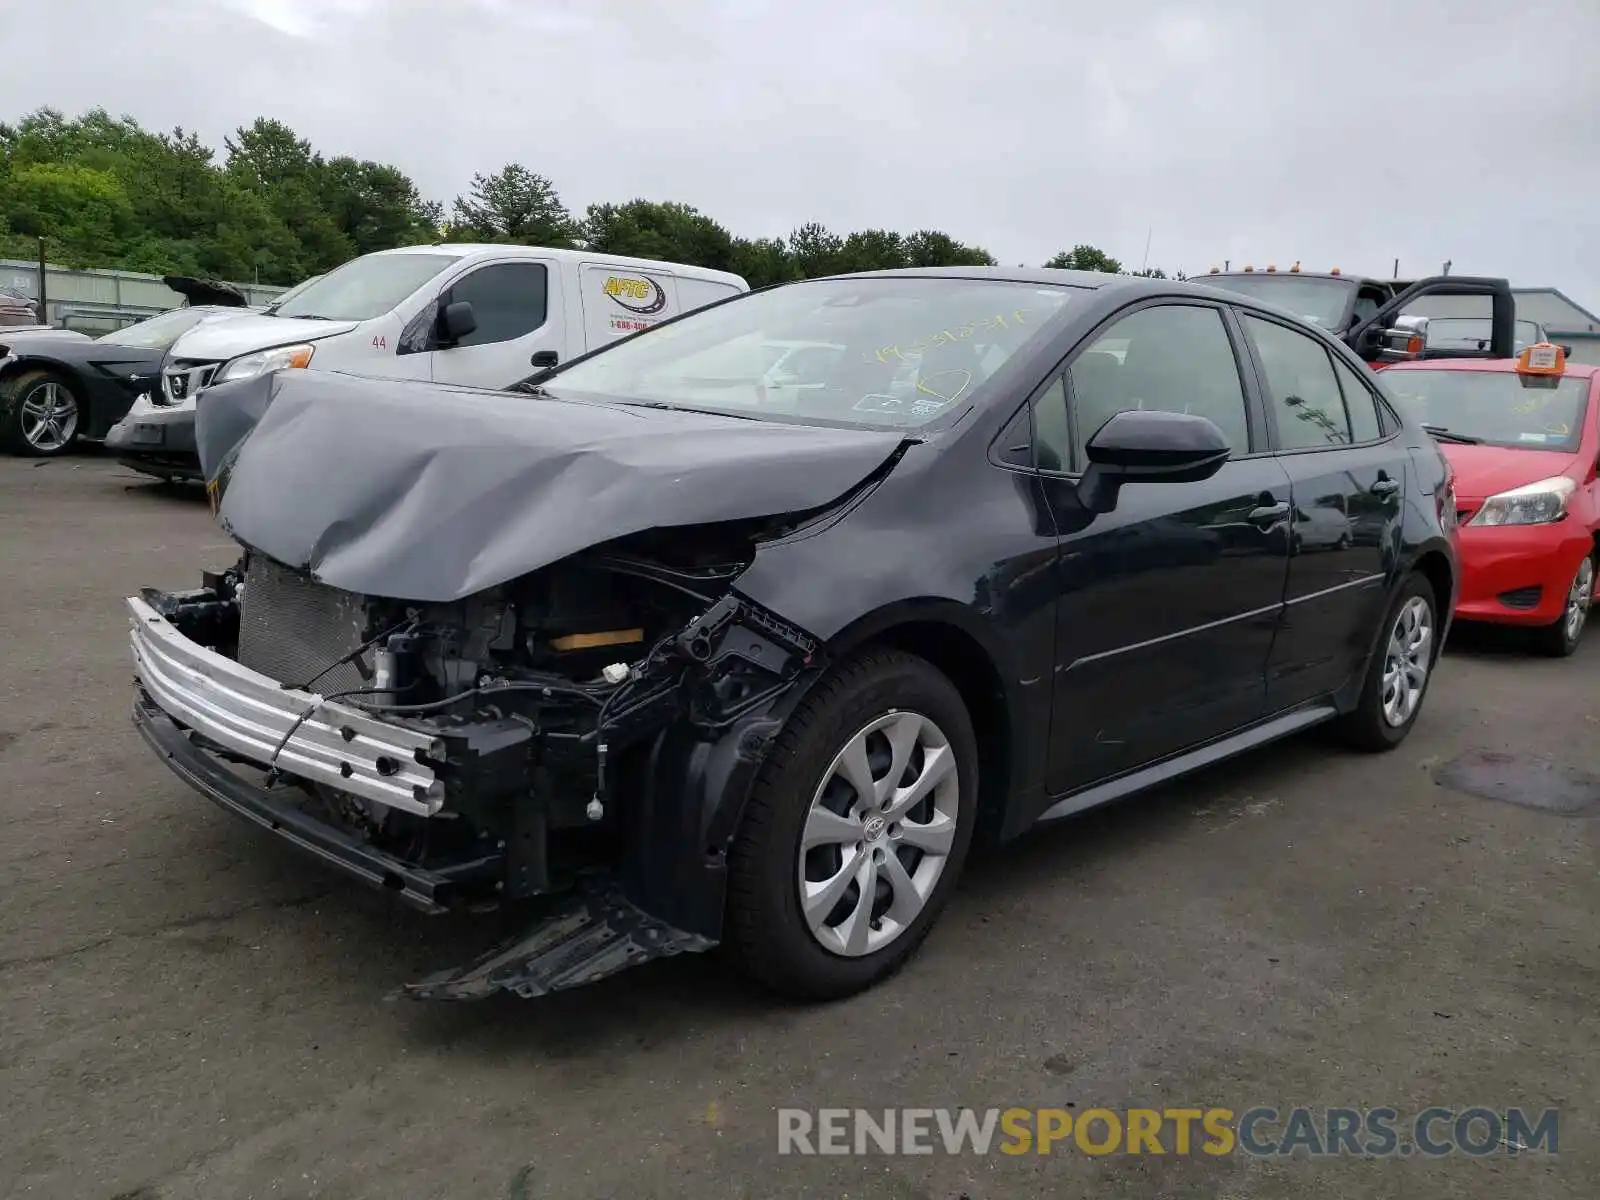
point(1347, 467)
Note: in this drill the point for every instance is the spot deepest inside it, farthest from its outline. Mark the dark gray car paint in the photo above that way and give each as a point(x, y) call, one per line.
point(423, 492)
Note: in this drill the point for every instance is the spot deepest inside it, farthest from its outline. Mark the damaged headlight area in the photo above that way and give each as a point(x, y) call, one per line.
point(491, 750)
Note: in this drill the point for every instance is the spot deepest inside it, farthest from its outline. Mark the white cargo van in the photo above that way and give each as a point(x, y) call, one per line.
point(480, 315)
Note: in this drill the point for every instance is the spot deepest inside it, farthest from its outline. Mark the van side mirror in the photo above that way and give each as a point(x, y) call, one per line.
point(456, 321)
point(1149, 446)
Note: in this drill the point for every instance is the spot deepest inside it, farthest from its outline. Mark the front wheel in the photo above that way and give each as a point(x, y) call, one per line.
point(1398, 676)
point(1561, 639)
point(856, 829)
point(42, 415)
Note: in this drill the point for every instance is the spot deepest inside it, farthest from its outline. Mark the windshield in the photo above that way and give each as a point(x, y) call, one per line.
point(1320, 301)
point(1501, 408)
point(874, 351)
point(157, 332)
point(1474, 333)
point(364, 287)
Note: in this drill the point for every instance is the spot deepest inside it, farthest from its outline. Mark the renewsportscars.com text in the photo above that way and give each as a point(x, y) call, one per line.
point(1435, 1132)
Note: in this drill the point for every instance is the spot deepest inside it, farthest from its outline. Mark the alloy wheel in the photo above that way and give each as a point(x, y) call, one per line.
point(49, 417)
point(1408, 656)
point(879, 833)
point(1578, 597)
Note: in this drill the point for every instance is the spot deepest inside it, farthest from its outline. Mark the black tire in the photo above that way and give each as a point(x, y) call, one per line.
point(766, 930)
point(1365, 727)
point(12, 394)
point(1559, 640)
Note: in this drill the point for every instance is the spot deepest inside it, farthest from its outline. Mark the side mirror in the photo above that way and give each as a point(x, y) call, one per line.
point(1146, 446)
point(1403, 341)
point(1566, 352)
point(456, 321)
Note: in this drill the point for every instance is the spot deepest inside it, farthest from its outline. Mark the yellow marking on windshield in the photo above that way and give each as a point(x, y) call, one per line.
point(947, 337)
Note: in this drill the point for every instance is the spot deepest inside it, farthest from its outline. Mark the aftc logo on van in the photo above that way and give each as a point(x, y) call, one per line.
point(643, 296)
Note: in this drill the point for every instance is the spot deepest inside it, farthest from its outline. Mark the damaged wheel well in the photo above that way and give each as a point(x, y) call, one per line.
point(963, 660)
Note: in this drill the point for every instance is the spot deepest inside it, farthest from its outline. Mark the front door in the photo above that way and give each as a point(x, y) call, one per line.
point(1347, 469)
point(1169, 603)
point(518, 309)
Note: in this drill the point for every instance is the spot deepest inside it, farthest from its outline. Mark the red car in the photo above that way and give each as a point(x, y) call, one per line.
point(1521, 435)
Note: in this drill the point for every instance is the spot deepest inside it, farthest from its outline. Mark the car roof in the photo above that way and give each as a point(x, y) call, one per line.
point(513, 250)
point(1495, 365)
point(1344, 276)
point(1053, 275)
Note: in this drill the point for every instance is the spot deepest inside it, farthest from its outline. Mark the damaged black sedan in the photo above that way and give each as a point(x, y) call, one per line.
point(741, 630)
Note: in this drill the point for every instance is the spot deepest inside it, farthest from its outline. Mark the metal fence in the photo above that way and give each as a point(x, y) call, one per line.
point(96, 301)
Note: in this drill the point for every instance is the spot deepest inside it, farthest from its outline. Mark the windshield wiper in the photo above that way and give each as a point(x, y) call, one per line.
point(710, 412)
point(1441, 434)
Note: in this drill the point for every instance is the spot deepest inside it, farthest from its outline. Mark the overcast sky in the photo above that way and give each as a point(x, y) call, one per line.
point(1345, 134)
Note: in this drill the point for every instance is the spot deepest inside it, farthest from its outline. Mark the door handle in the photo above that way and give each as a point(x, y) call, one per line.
point(544, 358)
point(1270, 512)
point(1385, 486)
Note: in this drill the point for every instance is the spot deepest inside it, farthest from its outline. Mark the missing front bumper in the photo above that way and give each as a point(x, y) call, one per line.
point(430, 891)
point(577, 939)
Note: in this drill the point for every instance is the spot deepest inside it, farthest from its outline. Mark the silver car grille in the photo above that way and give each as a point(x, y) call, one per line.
point(181, 380)
point(292, 627)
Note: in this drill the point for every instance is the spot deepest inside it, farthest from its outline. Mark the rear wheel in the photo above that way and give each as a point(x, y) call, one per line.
point(42, 414)
point(856, 829)
point(1398, 676)
point(1561, 639)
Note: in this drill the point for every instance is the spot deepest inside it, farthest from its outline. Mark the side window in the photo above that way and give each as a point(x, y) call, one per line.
point(1171, 358)
point(508, 299)
point(1301, 387)
point(1368, 301)
point(1052, 445)
point(1365, 425)
point(1037, 436)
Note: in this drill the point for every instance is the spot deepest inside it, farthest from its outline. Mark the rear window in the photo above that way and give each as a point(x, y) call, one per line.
point(1320, 301)
point(1499, 408)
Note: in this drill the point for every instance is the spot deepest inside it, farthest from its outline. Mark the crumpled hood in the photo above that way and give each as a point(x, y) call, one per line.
point(422, 492)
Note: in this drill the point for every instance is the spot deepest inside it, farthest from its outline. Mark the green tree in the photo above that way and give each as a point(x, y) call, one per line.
point(377, 206)
point(1085, 258)
point(512, 205)
point(84, 212)
point(930, 248)
point(873, 250)
point(763, 262)
point(668, 232)
point(815, 252)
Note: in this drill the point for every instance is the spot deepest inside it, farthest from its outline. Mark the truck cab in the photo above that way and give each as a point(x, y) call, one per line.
point(1371, 314)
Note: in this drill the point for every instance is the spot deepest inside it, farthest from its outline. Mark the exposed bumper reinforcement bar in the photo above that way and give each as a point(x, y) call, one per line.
point(426, 890)
point(583, 938)
point(304, 734)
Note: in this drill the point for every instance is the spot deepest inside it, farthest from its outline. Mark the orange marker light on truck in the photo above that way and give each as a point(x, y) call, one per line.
point(1270, 267)
point(1335, 271)
point(1542, 358)
point(1248, 267)
point(1295, 270)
